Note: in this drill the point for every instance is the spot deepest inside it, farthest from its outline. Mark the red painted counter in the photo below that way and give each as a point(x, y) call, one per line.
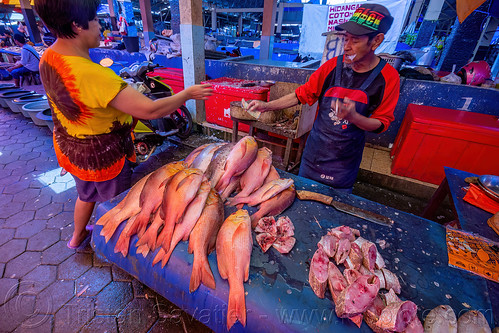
point(226, 90)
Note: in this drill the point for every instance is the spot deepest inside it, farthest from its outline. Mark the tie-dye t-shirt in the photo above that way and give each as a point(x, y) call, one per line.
point(91, 138)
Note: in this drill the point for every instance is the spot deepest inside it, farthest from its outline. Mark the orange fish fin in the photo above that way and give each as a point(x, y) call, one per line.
point(237, 306)
point(201, 272)
point(143, 249)
point(158, 256)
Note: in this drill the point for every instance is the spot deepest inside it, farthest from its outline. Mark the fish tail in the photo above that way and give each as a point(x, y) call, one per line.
point(149, 237)
point(165, 244)
point(201, 272)
point(166, 257)
point(122, 244)
point(233, 201)
point(222, 184)
point(237, 306)
point(110, 214)
point(143, 249)
point(158, 256)
point(255, 218)
point(109, 229)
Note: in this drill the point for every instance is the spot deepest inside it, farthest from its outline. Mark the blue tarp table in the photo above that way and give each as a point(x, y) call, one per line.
point(471, 219)
point(278, 296)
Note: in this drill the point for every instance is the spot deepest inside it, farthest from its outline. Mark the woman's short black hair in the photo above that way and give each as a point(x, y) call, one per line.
point(59, 15)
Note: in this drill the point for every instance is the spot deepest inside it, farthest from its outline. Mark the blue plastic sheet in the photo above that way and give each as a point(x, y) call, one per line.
point(279, 298)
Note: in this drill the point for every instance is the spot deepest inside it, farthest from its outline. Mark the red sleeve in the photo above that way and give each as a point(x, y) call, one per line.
point(384, 112)
point(310, 91)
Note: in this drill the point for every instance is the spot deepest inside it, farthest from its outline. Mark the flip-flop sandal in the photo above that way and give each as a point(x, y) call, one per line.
point(84, 242)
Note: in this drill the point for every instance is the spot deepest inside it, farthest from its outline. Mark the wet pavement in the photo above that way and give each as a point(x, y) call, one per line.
point(45, 286)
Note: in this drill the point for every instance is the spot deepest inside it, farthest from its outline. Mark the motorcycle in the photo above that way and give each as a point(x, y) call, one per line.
point(149, 134)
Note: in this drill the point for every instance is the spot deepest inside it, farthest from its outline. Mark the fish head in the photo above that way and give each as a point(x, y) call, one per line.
point(239, 216)
point(213, 197)
point(264, 153)
point(193, 171)
point(284, 182)
point(249, 143)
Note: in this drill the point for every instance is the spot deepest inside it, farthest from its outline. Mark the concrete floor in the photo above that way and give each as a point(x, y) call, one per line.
point(46, 287)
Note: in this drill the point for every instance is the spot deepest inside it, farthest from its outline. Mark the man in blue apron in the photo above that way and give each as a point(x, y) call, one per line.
point(357, 92)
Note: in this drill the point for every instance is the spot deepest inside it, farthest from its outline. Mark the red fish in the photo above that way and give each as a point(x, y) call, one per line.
point(275, 205)
point(264, 193)
point(240, 158)
point(192, 156)
point(189, 219)
point(152, 194)
point(234, 245)
point(128, 207)
point(202, 241)
point(253, 178)
point(179, 192)
point(202, 161)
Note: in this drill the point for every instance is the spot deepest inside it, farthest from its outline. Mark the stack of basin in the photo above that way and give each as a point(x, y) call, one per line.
point(4, 89)
point(4, 86)
point(8, 97)
point(19, 102)
point(46, 116)
point(33, 108)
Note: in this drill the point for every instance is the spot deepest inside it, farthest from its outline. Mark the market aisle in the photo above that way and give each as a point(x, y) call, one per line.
point(44, 286)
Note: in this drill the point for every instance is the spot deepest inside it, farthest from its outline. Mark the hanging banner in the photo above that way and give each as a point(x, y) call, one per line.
point(340, 14)
point(318, 19)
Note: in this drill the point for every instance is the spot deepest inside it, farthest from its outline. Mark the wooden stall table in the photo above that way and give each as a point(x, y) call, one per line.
point(289, 134)
point(278, 295)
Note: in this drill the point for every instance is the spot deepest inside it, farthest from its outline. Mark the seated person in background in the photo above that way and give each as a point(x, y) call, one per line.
point(30, 60)
point(6, 39)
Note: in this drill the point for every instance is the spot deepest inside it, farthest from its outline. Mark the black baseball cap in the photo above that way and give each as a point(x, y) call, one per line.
point(366, 19)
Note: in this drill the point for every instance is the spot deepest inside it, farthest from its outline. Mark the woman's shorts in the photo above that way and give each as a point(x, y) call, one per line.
point(103, 191)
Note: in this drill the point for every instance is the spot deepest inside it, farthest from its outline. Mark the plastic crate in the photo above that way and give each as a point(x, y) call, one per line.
point(393, 60)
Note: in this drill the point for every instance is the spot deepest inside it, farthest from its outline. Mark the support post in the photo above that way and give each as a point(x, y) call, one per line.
point(29, 19)
point(148, 27)
point(429, 23)
point(213, 18)
point(240, 24)
point(192, 41)
point(268, 26)
point(462, 41)
point(112, 15)
point(280, 16)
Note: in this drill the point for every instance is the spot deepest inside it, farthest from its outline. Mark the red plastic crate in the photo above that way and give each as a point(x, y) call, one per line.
point(173, 77)
point(226, 90)
point(431, 138)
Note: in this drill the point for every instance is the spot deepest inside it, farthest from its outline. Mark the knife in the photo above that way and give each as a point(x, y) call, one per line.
point(346, 208)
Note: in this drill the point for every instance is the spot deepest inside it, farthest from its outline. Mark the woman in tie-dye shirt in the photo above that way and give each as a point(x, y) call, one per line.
point(92, 108)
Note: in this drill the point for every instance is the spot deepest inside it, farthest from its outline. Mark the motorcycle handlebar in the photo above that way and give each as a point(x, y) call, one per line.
point(137, 70)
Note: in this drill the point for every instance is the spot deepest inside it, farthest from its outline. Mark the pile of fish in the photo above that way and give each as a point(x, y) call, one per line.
point(184, 201)
point(278, 234)
point(356, 289)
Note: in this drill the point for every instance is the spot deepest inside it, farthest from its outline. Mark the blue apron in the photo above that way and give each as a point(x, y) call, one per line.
point(334, 147)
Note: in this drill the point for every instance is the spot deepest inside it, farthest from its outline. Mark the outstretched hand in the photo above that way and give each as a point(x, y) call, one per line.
point(257, 106)
point(200, 91)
